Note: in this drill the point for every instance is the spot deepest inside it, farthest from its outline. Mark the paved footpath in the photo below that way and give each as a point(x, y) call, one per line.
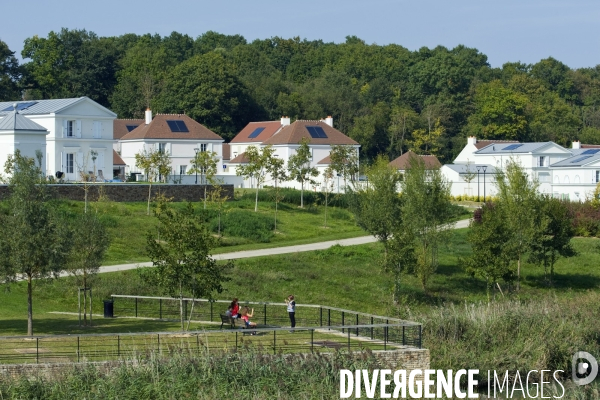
point(275, 250)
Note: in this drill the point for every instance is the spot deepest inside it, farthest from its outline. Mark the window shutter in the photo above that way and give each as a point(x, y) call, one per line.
point(78, 132)
point(100, 160)
point(64, 128)
point(97, 129)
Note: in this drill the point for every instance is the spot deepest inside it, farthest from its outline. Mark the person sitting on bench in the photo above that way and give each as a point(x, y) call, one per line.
point(246, 315)
point(235, 308)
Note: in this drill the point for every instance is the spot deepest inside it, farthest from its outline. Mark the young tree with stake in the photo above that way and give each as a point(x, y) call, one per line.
point(300, 169)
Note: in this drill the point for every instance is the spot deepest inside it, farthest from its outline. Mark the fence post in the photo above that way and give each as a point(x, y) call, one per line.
point(160, 309)
point(37, 350)
point(371, 328)
point(403, 336)
point(136, 307)
point(312, 340)
point(320, 316)
point(158, 337)
point(198, 343)
point(236, 340)
point(265, 315)
point(77, 348)
point(211, 309)
point(385, 337)
point(357, 324)
point(348, 339)
point(420, 336)
point(274, 342)
point(118, 346)
point(329, 317)
point(342, 322)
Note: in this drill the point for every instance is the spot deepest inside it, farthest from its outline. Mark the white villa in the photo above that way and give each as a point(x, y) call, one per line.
point(285, 137)
point(74, 128)
point(569, 174)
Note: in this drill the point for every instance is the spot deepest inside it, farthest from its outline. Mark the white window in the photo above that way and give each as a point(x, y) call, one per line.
point(541, 162)
point(203, 146)
point(162, 147)
point(544, 177)
point(70, 128)
point(182, 169)
point(70, 163)
point(597, 176)
point(97, 129)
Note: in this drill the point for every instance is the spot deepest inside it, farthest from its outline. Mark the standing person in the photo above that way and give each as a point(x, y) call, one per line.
point(291, 309)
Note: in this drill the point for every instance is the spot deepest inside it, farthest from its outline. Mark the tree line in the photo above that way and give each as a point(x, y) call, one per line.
point(387, 98)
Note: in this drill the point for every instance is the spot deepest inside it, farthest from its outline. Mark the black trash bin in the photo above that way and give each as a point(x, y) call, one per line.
point(108, 309)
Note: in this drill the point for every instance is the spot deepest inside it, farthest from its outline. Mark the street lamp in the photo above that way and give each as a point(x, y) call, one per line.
point(478, 169)
point(196, 163)
point(484, 168)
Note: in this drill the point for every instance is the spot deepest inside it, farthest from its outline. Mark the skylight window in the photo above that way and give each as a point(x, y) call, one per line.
point(512, 147)
point(20, 106)
point(177, 125)
point(256, 132)
point(316, 132)
point(130, 127)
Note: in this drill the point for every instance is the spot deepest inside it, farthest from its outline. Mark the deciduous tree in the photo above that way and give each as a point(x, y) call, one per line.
point(205, 163)
point(257, 168)
point(300, 169)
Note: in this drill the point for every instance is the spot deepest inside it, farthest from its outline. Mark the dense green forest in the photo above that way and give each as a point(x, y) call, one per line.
point(387, 98)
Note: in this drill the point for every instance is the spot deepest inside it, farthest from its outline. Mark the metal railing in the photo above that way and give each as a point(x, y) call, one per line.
point(110, 346)
point(319, 328)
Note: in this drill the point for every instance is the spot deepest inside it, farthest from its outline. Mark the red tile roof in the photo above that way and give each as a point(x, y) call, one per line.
point(159, 129)
point(326, 160)
point(293, 134)
point(117, 160)
point(226, 151)
point(403, 162)
point(270, 128)
point(120, 126)
point(240, 159)
point(590, 146)
point(484, 143)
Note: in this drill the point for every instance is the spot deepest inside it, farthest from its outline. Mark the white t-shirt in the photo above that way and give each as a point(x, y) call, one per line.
point(291, 307)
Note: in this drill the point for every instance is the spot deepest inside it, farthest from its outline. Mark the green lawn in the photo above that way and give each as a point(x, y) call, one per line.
point(344, 277)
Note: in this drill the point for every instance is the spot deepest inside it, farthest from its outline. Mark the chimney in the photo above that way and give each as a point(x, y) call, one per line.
point(576, 144)
point(329, 121)
point(285, 121)
point(148, 116)
point(471, 140)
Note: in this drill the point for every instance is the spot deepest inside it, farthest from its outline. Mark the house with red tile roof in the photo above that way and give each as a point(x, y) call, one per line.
point(176, 134)
point(286, 137)
point(403, 162)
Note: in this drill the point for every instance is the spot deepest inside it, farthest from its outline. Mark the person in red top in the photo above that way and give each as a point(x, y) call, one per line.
point(235, 308)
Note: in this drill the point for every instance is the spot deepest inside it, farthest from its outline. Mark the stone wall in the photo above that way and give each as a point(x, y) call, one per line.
point(125, 192)
point(407, 359)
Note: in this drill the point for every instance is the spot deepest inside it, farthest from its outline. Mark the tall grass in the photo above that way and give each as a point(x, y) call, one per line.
point(242, 375)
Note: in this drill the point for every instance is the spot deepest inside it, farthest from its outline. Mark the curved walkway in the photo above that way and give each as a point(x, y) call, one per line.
point(274, 251)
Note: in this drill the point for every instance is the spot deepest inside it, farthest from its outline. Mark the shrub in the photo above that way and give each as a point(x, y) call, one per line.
point(245, 224)
point(292, 196)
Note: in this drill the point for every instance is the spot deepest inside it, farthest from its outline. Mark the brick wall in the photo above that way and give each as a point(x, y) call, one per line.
point(124, 192)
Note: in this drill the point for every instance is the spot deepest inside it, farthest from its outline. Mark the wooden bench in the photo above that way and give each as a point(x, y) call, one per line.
point(235, 323)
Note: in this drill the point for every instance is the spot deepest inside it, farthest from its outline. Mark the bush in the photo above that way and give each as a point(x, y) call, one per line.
point(245, 224)
point(293, 196)
point(586, 218)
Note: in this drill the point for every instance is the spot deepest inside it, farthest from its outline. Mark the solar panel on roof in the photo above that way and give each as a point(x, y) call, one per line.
point(512, 147)
point(130, 127)
point(590, 151)
point(177, 125)
point(316, 132)
point(20, 106)
point(256, 132)
point(580, 159)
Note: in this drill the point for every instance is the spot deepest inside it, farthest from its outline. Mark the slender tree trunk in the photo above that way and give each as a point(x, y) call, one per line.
point(181, 305)
point(276, 203)
point(325, 209)
point(149, 194)
point(519, 273)
point(84, 301)
point(85, 200)
point(302, 195)
point(205, 195)
point(29, 306)
point(191, 311)
point(256, 199)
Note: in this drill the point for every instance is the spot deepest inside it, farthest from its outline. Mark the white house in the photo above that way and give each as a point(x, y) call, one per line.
point(565, 173)
point(179, 136)
point(76, 128)
point(19, 133)
point(285, 138)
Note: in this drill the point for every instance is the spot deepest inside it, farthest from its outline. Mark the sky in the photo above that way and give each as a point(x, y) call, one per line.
point(505, 30)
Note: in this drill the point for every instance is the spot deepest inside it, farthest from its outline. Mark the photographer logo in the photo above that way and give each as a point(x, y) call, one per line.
point(584, 367)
